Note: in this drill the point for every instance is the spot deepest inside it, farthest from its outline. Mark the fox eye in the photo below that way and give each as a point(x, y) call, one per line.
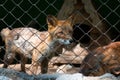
point(70, 32)
point(60, 32)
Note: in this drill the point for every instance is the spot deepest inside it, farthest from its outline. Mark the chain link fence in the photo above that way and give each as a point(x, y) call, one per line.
point(18, 13)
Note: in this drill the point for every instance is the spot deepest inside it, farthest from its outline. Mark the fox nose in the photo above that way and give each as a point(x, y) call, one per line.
point(71, 40)
point(68, 41)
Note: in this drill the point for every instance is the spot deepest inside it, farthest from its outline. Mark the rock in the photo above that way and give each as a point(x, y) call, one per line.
point(78, 76)
point(108, 76)
point(5, 78)
point(9, 74)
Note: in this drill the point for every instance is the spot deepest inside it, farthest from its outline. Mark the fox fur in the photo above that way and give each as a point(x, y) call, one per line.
point(102, 60)
point(40, 46)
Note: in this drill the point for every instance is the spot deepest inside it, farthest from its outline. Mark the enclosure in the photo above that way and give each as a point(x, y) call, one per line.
point(98, 21)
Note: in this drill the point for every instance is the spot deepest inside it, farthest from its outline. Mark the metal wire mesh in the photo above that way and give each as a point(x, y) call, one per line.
point(17, 13)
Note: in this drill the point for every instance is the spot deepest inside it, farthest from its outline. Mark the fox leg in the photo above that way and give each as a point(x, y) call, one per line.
point(44, 65)
point(34, 67)
point(35, 63)
point(8, 59)
point(23, 62)
point(9, 55)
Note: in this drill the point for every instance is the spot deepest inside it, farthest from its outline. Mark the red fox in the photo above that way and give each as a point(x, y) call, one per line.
point(102, 60)
point(40, 46)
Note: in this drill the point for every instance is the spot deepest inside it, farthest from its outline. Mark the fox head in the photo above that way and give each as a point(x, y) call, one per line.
point(60, 29)
point(89, 64)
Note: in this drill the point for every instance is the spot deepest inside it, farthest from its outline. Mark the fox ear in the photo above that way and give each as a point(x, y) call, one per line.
point(51, 20)
point(70, 19)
